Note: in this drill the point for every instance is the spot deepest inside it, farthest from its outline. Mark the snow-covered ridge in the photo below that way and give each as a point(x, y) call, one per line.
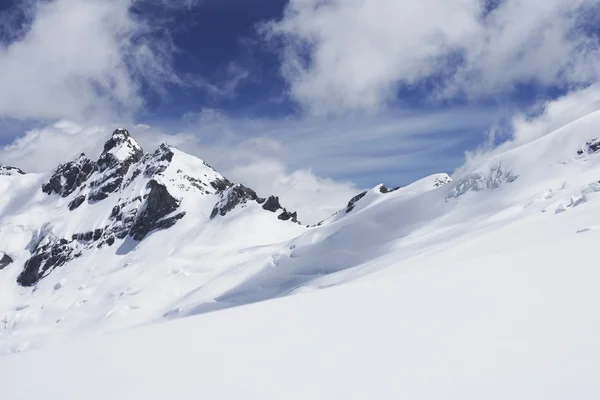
point(144, 193)
point(136, 237)
point(488, 274)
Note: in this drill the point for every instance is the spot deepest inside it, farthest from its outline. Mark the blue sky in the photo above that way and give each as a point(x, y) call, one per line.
point(350, 92)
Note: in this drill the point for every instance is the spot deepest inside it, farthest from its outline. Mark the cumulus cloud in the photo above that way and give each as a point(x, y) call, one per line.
point(83, 60)
point(348, 55)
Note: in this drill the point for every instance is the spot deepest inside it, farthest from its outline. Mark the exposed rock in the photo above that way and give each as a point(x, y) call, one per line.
point(286, 216)
point(383, 189)
point(120, 152)
point(272, 204)
point(120, 148)
point(231, 198)
point(5, 260)
point(354, 200)
point(590, 147)
point(6, 170)
point(89, 236)
point(220, 185)
point(69, 176)
point(76, 202)
point(157, 162)
point(157, 206)
point(44, 259)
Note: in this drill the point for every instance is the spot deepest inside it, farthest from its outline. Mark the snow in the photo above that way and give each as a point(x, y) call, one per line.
point(476, 327)
point(484, 287)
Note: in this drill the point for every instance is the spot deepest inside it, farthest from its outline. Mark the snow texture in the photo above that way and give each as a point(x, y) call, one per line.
point(480, 287)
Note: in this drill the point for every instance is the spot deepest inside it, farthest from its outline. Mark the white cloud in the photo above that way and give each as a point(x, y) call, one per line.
point(347, 55)
point(81, 60)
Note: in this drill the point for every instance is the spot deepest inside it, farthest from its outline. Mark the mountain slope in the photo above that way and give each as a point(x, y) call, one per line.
point(484, 233)
point(509, 313)
point(101, 245)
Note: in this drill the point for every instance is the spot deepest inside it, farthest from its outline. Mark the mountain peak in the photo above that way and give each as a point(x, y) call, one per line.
point(122, 146)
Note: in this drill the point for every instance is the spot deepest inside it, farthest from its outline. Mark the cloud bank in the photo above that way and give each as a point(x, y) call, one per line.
point(82, 60)
point(355, 55)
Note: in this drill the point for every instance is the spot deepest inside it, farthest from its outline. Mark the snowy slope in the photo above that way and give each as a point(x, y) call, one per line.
point(480, 287)
point(476, 327)
point(126, 251)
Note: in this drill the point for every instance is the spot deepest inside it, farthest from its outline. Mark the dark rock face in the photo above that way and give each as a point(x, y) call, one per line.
point(69, 176)
point(44, 259)
point(234, 196)
point(590, 147)
point(354, 200)
point(158, 205)
point(383, 189)
point(89, 236)
point(6, 170)
point(76, 202)
point(240, 195)
point(220, 185)
point(5, 260)
point(286, 216)
point(157, 162)
point(272, 204)
point(120, 152)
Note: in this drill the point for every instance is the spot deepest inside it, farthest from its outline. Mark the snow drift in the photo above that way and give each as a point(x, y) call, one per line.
point(483, 286)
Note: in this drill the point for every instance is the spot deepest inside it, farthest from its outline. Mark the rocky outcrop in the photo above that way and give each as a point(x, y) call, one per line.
point(354, 200)
point(287, 216)
point(6, 170)
point(76, 202)
point(120, 153)
point(240, 195)
point(231, 198)
point(44, 259)
point(591, 147)
point(272, 204)
point(158, 204)
point(69, 177)
point(384, 189)
point(5, 260)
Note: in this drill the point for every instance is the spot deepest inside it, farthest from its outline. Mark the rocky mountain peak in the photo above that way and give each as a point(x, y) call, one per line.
point(121, 148)
point(6, 170)
point(121, 138)
point(145, 192)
